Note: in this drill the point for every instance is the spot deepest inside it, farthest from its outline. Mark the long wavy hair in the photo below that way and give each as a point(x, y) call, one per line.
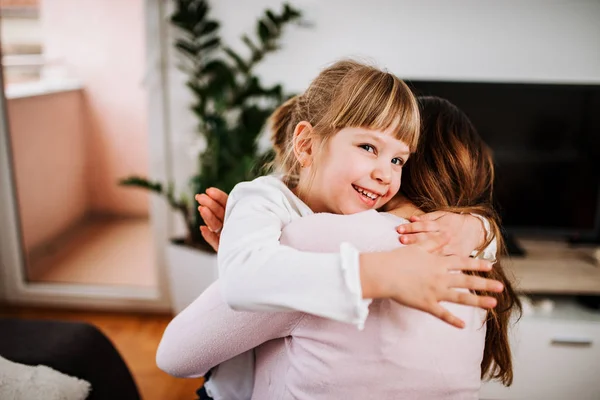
point(453, 170)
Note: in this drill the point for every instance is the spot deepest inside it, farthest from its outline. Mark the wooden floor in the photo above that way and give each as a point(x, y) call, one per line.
point(136, 336)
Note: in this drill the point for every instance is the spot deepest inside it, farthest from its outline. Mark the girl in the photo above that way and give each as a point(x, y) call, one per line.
point(314, 347)
point(340, 147)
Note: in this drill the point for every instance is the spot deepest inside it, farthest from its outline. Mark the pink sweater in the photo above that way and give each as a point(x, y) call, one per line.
point(402, 353)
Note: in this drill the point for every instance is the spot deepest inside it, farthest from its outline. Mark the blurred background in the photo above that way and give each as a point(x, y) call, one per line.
point(96, 91)
point(76, 113)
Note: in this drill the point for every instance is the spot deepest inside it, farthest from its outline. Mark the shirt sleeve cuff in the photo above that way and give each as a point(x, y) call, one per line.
point(351, 274)
point(489, 253)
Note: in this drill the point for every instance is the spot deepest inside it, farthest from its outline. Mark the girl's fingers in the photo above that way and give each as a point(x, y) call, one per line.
point(218, 195)
point(472, 282)
point(470, 299)
point(440, 312)
point(216, 208)
point(211, 238)
point(418, 227)
point(457, 263)
point(214, 224)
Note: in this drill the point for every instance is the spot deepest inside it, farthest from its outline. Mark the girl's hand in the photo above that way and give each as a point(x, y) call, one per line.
point(418, 279)
point(212, 210)
point(444, 233)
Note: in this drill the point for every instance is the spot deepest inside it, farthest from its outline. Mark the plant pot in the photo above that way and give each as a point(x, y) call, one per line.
point(190, 272)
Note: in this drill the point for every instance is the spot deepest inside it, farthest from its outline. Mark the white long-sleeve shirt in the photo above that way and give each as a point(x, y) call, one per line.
point(254, 266)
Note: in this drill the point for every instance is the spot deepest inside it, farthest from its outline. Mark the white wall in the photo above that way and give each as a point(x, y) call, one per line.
point(522, 40)
point(482, 40)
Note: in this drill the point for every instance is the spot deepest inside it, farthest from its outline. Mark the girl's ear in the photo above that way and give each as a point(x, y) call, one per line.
point(304, 141)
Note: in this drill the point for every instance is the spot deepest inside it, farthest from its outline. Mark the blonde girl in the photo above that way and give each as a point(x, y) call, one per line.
point(347, 139)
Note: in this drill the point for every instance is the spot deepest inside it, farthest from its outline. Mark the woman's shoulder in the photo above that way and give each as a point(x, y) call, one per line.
point(324, 232)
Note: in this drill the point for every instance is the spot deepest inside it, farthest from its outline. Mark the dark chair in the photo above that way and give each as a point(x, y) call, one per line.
point(73, 348)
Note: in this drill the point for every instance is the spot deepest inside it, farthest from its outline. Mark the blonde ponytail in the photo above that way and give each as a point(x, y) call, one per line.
point(282, 124)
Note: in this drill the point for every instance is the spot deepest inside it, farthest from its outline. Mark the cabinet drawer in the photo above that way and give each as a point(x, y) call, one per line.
point(552, 360)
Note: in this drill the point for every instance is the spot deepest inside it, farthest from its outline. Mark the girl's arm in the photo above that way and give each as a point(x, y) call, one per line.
point(258, 273)
point(208, 332)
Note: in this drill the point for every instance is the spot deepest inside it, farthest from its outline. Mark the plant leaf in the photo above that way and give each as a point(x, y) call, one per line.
point(141, 182)
point(210, 44)
point(263, 32)
point(207, 28)
point(290, 13)
point(248, 42)
point(198, 8)
point(274, 19)
point(239, 62)
point(186, 47)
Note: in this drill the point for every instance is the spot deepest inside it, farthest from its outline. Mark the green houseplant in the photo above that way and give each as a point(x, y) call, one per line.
point(231, 105)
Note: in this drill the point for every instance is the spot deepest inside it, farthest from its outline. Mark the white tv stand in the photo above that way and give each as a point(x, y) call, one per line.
point(556, 355)
point(556, 350)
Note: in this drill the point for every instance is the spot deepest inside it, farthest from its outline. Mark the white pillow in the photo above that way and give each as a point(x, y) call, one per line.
point(24, 382)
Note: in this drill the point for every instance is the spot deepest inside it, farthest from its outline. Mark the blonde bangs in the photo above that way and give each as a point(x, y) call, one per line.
point(370, 99)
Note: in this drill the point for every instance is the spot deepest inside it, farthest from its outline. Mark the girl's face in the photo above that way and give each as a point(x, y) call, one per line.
point(358, 170)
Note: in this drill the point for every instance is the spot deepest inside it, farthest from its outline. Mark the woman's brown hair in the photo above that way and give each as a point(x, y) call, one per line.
point(346, 94)
point(453, 170)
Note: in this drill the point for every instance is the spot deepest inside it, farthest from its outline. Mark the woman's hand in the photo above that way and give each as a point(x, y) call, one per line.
point(212, 210)
point(444, 233)
point(418, 279)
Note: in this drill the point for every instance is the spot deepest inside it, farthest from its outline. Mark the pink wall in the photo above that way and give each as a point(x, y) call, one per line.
point(101, 42)
point(48, 142)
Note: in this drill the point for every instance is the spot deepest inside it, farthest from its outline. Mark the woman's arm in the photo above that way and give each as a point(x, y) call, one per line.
point(208, 333)
point(464, 233)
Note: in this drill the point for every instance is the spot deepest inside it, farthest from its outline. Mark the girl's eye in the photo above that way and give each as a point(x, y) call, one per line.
point(398, 161)
point(367, 147)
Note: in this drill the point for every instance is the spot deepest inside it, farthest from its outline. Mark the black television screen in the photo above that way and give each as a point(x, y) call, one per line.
point(546, 144)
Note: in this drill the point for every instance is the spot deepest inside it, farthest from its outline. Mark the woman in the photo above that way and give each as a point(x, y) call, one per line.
point(402, 352)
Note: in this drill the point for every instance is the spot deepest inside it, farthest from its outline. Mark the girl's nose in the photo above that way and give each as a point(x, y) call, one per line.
point(383, 174)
